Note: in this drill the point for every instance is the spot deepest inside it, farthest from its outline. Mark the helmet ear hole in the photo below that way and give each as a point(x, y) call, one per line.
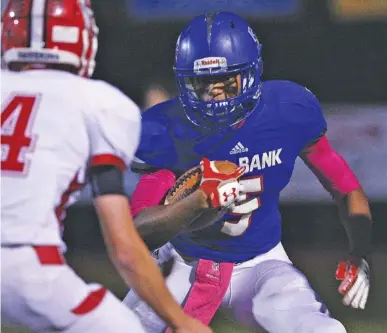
point(232, 25)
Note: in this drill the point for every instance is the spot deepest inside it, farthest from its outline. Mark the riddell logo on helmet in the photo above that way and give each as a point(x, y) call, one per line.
point(210, 62)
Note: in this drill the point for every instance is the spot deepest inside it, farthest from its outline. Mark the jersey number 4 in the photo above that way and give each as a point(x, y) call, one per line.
point(17, 117)
point(252, 188)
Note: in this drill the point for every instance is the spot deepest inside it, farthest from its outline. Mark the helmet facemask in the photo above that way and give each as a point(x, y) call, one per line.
point(220, 99)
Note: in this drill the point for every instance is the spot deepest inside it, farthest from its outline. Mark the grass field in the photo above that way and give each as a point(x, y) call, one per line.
point(318, 266)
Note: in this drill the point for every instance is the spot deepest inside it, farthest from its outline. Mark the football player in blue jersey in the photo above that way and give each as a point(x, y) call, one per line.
point(225, 112)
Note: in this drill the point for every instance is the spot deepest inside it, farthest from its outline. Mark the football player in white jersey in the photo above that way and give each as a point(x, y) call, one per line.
point(55, 124)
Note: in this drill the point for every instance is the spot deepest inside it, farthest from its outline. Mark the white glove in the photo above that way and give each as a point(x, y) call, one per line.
point(247, 200)
point(355, 283)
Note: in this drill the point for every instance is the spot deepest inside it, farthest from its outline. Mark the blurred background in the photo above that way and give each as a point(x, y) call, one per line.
point(336, 48)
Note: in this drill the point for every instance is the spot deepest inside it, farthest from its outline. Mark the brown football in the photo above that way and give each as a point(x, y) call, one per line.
point(189, 182)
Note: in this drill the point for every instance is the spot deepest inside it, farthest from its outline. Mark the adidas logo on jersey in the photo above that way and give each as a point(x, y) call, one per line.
point(239, 148)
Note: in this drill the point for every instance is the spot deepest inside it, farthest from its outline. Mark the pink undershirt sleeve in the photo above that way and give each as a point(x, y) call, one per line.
point(150, 189)
point(330, 168)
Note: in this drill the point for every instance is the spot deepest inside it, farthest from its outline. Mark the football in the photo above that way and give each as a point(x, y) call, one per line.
point(189, 182)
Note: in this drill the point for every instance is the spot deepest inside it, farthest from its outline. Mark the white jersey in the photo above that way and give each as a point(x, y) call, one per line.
point(53, 126)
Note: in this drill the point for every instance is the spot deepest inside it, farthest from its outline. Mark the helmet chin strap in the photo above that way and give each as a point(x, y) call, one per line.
point(17, 67)
point(34, 66)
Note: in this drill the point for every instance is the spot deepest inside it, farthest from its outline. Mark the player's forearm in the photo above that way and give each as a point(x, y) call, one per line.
point(357, 203)
point(159, 224)
point(144, 276)
point(356, 217)
point(133, 259)
point(338, 178)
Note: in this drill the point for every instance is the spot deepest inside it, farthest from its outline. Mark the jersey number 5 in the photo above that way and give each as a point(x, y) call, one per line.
point(17, 117)
point(252, 187)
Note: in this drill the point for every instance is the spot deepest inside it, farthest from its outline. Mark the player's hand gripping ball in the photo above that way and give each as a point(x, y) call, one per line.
point(218, 179)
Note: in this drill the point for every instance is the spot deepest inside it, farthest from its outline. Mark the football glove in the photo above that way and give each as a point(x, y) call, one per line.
point(247, 201)
point(355, 282)
point(222, 189)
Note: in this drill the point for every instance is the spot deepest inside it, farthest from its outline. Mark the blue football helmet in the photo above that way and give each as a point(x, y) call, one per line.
point(218, 68)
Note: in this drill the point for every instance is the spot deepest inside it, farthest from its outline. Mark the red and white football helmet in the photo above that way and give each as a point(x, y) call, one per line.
point(50, 32)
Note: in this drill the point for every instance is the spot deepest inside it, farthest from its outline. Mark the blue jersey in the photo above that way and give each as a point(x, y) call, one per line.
point(287, 119)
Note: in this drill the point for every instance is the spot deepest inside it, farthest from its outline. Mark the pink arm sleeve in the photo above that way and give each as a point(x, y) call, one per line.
point(330, 168)
point(150, 189)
